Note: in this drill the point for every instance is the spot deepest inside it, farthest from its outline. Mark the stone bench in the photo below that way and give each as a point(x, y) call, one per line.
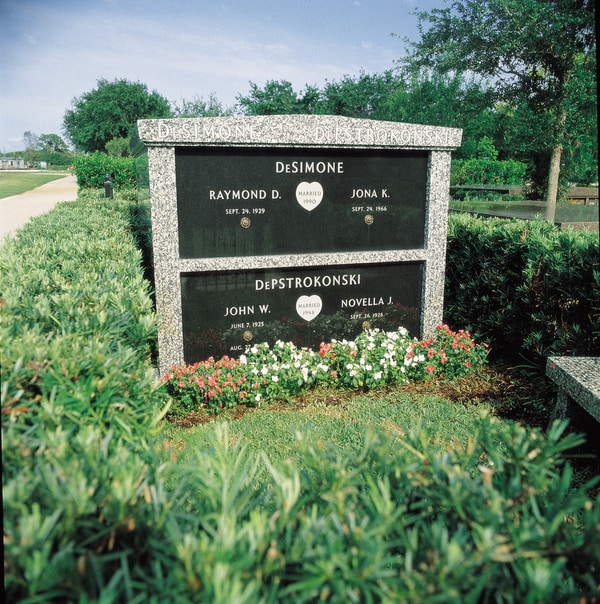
point(578, 381)
point(587, 195)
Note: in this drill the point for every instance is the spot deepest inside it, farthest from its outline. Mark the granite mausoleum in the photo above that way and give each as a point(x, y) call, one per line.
point(299, 228)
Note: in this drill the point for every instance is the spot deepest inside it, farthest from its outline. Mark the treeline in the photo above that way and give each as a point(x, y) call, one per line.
point(48, 148)
point(491, 131)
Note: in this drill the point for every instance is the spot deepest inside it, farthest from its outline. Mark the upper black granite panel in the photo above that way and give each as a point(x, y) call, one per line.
point(241, 202)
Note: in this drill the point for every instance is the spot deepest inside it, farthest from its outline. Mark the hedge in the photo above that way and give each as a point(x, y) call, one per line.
point(527, 288)
point(91, 171)
point(97, 507)
point(487, 171)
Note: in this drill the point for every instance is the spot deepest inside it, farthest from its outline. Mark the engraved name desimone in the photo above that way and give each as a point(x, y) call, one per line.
point(309, 167)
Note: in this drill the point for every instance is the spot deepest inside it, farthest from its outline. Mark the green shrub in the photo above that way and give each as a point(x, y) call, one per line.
point(97, 508)
point(92, 169)
point(492, 520)
point(480, 171)
point(526, 288)
point(77, 327)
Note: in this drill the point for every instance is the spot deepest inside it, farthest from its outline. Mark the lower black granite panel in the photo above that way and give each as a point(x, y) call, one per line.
point(226, 311)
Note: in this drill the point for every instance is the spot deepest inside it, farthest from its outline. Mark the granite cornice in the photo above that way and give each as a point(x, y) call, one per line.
point(296, 131)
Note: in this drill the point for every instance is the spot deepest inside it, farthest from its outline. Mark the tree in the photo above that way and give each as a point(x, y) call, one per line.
point(118, 147)
point(454, 101)
point(111, 111)
point(201, 108)
point(373, 96)
point(529, 48)
point(31, 140)
point(52, 143)
point(279, 98)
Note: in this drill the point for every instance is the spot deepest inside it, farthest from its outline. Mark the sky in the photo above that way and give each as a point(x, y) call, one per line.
point(53, 51)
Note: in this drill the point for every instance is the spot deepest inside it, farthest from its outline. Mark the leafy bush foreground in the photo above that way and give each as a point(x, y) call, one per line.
point(99, 508)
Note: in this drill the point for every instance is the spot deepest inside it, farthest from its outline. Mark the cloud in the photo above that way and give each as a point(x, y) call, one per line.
point(55, 51)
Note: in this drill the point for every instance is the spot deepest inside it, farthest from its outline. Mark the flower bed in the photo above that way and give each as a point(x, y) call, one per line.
point(374, 359)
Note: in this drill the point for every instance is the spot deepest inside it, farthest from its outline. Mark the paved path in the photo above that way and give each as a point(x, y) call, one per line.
point(16, 210)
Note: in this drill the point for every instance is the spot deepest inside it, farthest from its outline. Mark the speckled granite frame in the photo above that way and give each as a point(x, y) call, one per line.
point(288, 131)
point(578, 380)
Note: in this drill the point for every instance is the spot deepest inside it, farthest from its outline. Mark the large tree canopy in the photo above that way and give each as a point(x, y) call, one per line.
point(278, 98)
point(427, 98)
point(110, 111)
point(529, 49)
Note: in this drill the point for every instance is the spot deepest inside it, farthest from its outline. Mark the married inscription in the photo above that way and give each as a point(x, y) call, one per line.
point(325, 201)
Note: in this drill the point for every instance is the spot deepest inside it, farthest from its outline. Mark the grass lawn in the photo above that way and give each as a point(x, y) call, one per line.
point(450, 412)
point(14, 183)
point(338, 420)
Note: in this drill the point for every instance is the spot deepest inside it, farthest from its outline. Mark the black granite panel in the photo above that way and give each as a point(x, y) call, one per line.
point(225, 311)
point(239, 202)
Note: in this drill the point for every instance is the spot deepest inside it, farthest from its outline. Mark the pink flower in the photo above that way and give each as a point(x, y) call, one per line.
point(429, 369)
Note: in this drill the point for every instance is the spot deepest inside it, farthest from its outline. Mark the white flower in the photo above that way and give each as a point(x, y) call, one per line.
point(264, 370)
point(275, 378)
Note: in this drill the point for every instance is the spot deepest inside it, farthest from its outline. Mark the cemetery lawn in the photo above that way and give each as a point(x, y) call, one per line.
point(449, 409)
point(15, 183)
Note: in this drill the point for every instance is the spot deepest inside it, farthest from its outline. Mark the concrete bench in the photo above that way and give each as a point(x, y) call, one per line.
point(578, 381)
point(588, 195)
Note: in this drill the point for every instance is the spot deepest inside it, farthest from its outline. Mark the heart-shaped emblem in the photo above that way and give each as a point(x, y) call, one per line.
point(309, 195)
point(309, 307)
